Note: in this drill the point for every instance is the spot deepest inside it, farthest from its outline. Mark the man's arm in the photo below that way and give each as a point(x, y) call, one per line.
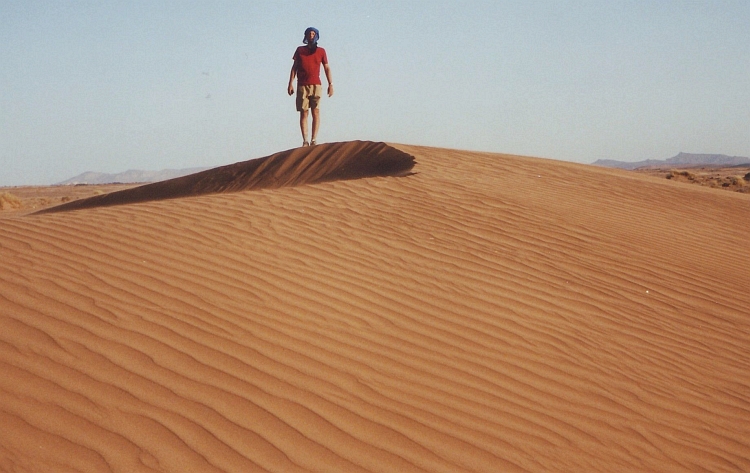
point(329, 79)
point(292, 75)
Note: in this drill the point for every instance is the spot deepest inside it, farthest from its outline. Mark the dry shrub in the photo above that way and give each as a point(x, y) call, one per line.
point(739, 183)
point(689, 175)
point(9, 201)
point(65, 199)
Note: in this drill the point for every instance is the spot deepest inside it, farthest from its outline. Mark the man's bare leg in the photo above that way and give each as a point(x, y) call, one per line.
point(315, 124)
point(303, 124)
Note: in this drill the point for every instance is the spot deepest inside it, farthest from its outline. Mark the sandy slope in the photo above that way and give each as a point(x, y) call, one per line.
point(294, 167)
point(486, 313)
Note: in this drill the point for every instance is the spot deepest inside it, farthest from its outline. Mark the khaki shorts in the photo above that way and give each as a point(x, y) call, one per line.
point(308, 96)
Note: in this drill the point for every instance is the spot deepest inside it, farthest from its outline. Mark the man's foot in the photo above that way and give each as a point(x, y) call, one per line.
point(313, 143)
point(305, 143)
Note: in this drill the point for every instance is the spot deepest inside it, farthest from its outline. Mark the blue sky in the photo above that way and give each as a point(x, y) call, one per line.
point(109, 86)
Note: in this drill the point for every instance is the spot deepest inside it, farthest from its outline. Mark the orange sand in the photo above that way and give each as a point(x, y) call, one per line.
point(484, 313)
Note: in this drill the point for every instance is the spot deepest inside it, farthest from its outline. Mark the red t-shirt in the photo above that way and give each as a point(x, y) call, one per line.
point(308, 65)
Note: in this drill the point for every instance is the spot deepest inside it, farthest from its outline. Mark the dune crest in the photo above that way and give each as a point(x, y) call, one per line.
point(294, 167)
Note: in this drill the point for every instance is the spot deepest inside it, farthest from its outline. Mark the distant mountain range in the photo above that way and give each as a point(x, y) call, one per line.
point(682, 159)
point(130, 176)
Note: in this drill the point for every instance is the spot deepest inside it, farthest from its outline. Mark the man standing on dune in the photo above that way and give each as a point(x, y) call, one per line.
point(306, 67)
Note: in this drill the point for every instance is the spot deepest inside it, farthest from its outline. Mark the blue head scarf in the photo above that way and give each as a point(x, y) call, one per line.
point(317, 35)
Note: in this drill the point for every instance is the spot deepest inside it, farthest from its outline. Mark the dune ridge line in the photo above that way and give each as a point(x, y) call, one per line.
point(294, 167)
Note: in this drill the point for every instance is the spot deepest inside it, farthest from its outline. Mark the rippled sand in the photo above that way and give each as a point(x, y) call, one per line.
point(383, 308)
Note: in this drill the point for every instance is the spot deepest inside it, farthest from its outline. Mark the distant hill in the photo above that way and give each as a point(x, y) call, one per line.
point(682, 159)
point(130, 176)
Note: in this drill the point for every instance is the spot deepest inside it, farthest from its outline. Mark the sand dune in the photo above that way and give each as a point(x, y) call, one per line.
point(485, 313)
point(294, 167)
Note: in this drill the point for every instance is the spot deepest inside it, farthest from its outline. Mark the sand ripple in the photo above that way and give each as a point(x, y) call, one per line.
point(486, 313)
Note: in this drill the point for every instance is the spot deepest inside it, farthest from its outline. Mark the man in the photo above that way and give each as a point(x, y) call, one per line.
point(306, 67)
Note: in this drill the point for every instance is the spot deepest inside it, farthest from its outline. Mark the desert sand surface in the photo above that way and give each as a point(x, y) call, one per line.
point(364, 307)
point(24, 199)
point(734, 178)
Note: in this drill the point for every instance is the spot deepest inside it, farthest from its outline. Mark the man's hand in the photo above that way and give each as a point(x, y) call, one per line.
point(290, 89)
point(327, 68)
